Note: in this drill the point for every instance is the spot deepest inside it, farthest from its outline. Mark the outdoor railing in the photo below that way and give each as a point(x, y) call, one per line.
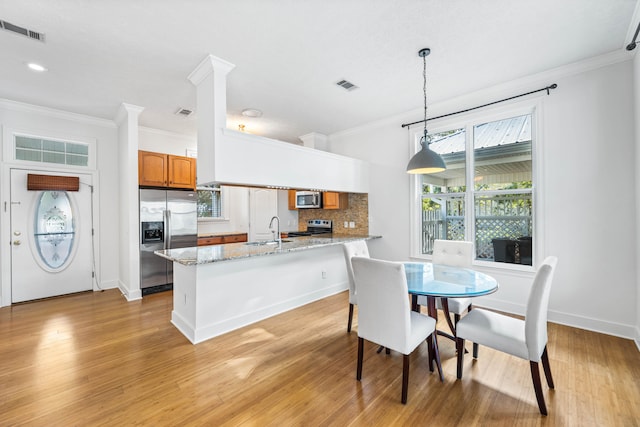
point(497, 217)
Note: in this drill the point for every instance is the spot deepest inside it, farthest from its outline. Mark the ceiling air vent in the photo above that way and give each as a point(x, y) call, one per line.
point(183, 112)
point(22, 31)
point(347, 85)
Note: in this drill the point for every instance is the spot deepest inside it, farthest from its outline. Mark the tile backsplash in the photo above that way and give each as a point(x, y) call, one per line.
point(357, 212)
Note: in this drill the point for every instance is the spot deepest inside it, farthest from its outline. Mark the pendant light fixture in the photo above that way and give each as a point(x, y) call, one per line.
point(425, 160)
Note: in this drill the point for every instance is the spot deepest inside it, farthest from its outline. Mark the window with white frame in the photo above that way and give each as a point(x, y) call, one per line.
point(46, 150)
point(210, 202)
point(485, 195)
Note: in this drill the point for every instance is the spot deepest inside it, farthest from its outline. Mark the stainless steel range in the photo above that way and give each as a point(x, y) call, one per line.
point(314, 227)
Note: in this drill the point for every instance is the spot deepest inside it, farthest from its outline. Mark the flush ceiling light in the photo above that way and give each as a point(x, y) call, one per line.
point(36, 67)
point(425, 160)
point(251, 112)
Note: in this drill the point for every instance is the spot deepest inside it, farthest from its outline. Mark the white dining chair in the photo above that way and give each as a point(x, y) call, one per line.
point(385, 316)
point(526, 339)
point(455, 253)
point(356, 248)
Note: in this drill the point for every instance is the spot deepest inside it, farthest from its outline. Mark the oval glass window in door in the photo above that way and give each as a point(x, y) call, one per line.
point(54, 228)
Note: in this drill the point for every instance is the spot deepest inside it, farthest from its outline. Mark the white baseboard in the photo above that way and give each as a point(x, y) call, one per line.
point(568, 319)
point(209, 331)
point(130, 295)
point(110, 284)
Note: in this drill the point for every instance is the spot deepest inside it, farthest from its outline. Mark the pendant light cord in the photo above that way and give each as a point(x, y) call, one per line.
point(423, 140)
point(547, 89)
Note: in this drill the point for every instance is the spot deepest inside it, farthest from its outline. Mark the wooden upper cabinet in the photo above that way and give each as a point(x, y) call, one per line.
point(152, 169)
point(332, 200)
point(292, 200)
point(166, 170)
point(182, 172)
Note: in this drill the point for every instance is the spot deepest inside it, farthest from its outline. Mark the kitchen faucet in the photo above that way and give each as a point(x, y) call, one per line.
point(278, 239)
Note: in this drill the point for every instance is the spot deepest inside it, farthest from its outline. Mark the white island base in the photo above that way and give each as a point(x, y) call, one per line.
point(210, 299)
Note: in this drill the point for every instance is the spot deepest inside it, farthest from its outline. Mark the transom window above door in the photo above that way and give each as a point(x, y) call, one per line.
point(50, 149)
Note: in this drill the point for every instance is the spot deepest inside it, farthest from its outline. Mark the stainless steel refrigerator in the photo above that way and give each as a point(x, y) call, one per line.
point(168, 220)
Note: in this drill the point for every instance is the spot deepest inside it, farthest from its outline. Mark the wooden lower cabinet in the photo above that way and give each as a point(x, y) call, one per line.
point(221, 240)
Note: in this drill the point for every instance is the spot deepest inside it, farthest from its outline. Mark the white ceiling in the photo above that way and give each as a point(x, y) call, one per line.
point(290, 53)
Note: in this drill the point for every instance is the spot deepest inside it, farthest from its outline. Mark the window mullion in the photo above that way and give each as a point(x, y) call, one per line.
point(470, 230)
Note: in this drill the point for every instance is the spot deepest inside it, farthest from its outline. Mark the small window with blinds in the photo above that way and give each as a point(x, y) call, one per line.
point(210, 202)
point(34, 149)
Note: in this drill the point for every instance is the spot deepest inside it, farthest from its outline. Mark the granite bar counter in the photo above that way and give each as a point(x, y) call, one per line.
point(217, 289)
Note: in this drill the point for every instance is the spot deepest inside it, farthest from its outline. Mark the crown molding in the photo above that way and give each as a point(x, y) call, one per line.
point(24, 107)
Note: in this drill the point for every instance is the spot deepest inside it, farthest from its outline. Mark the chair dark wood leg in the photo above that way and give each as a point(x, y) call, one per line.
point(436, 353)
point(350, 317)
point(387, 350)
point(414, 303)
point(537, 385)
point(431, 355)
point(460, 350)
point(405, 377)
point(360, 354)
point(547, 368)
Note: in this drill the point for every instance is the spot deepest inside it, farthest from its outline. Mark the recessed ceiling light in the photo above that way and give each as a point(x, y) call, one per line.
point(36, 67)
point(251, 112)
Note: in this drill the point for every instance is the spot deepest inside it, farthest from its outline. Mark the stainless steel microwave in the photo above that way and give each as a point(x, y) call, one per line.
point(308, 199)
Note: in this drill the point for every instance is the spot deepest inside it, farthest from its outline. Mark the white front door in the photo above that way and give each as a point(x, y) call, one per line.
point(50, 239)
point(263, 205)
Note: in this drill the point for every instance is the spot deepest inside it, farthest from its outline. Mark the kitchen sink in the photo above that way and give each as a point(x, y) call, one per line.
point(266, 242)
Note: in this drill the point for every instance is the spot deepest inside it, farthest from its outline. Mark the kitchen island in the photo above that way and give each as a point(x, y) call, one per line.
point(217, 289)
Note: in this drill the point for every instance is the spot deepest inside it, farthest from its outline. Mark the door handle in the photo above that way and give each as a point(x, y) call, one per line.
point(167, 236)
point(16, 243)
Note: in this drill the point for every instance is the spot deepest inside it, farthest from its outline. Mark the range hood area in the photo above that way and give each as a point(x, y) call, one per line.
point(231, 157)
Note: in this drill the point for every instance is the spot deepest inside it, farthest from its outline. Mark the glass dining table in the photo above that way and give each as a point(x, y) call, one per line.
point(443, 281)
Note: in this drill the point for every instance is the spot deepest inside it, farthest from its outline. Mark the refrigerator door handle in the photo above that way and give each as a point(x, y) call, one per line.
point(167, 229)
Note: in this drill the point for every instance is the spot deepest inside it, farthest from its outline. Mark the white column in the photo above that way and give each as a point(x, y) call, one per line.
point(210, 79)
point(129, 258)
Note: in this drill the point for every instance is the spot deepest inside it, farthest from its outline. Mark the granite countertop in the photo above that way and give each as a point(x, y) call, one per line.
point(217, 253)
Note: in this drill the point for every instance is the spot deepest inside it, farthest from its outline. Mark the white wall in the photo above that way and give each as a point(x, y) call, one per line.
point(45, 121)
point(588, 195)
point(288, 218)
point(636, 81)
point(162, 141)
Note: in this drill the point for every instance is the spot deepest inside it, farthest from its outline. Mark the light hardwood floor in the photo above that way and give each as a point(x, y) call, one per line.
point(95, 359)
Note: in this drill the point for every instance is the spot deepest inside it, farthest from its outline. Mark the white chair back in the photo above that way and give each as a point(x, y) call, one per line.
point(351, 249)
point(537, 306)
point(456, 253)
point(383, 303)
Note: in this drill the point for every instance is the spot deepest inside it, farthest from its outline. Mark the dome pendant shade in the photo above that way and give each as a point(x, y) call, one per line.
point(425, 161)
